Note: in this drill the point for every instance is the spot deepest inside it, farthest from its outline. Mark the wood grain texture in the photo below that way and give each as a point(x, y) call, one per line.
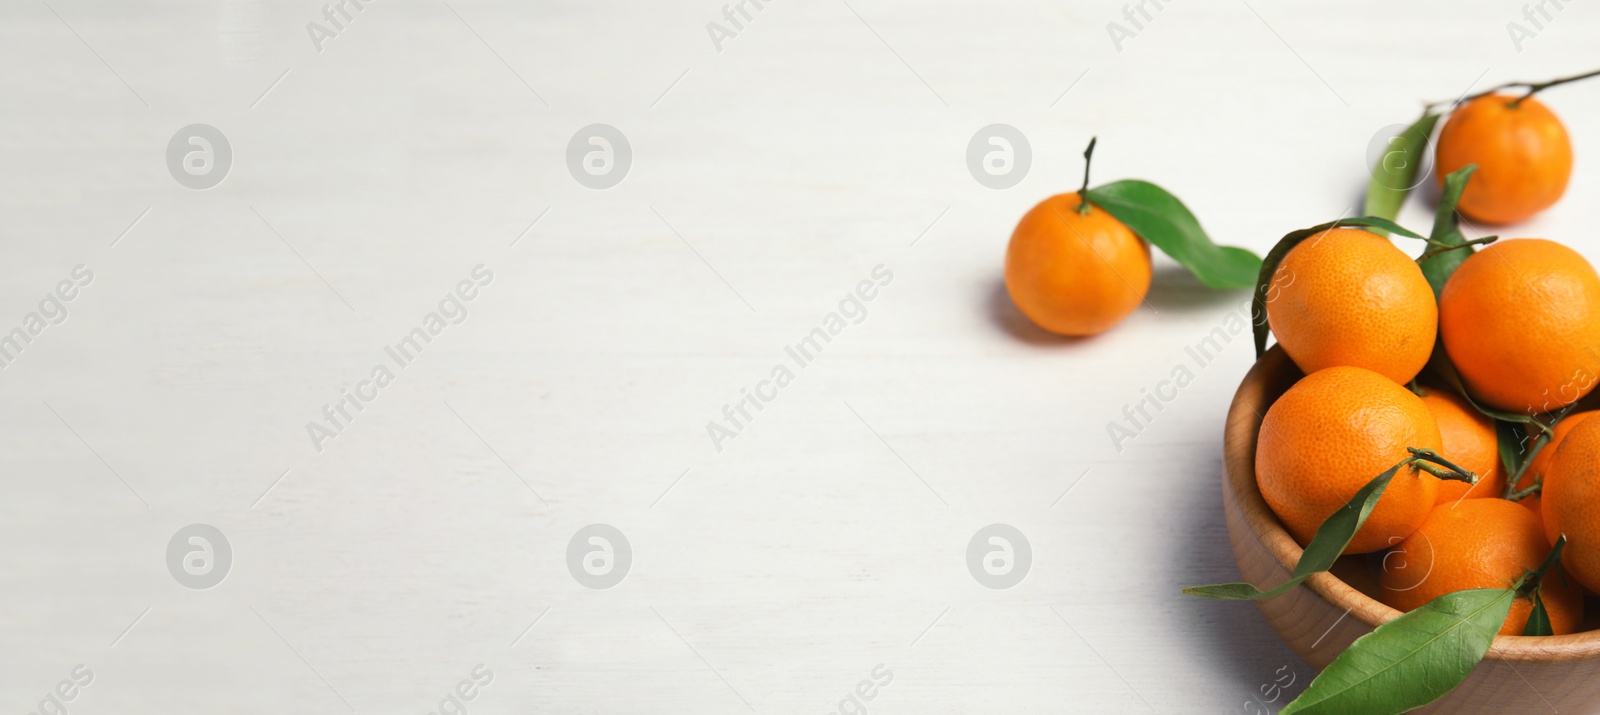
point(1321, 618)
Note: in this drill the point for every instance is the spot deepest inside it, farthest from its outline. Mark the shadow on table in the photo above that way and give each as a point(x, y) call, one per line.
point(1174, 289)
point(1234, 634)
point(1004, 314)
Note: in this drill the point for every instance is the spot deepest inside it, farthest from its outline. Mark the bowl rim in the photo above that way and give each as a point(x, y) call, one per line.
point(1244, 417)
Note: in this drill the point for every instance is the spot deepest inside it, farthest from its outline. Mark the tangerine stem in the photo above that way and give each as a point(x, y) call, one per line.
point(1532, 489)
point(1436, 251)
point(1426, 459)
point(1549, 429)
point(1532, 87)
point(1546, 85)
point(1513, 480)
point(1531, 579)
point(1083, 193)
point(1546, 433)
point(1429, 455)
point(1446, 474)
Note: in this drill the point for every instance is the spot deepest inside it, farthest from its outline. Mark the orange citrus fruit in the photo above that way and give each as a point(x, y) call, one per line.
point(1521, 321)
point(1522, 151)
point(1075, 273)
point(1470, 442)
point(1332, 433)
point(1572, 502)
point(1539, 467)
point(1349, 297)
point(1477, 543)
point(1534, 503)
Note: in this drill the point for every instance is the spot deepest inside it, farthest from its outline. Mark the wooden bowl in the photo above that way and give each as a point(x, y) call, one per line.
point(1521, 674)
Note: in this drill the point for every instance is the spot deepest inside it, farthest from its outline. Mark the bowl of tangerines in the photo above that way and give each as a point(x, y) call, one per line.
point(1412, 473)
point(1411, 468)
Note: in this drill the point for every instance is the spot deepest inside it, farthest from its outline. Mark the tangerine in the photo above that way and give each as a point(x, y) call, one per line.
point(1328, 436)
point(1539, 467)
point(1572, 502)
point(1477, 543)
point(1523, 154)
point(1470, 442)
point(1540, 356)
point(1075, 272)
point(1349, 297)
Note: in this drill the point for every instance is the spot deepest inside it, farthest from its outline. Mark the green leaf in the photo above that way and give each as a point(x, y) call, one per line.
point(1384, 225)
point(1396, 172)
point(1410, 661)
point(1160, 218)
point(1510, 436)
point(1538, 619)
point(1266, 291)
point(1447, 232)
point(1325, 548)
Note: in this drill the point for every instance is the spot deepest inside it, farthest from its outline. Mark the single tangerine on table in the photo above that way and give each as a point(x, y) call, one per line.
point(1349, 297)
point(1074, 269)
point(1470, 441)
point(1332, 433)
point(1477, 543)
point(1523, 154)
point(1520, 320)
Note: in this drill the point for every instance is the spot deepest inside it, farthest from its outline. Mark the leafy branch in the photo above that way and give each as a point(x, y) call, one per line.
point(1533, 87)
point(1415, 659)
point(1338, 529)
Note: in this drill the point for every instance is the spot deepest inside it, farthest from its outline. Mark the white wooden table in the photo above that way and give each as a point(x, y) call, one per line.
point(823, 545)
